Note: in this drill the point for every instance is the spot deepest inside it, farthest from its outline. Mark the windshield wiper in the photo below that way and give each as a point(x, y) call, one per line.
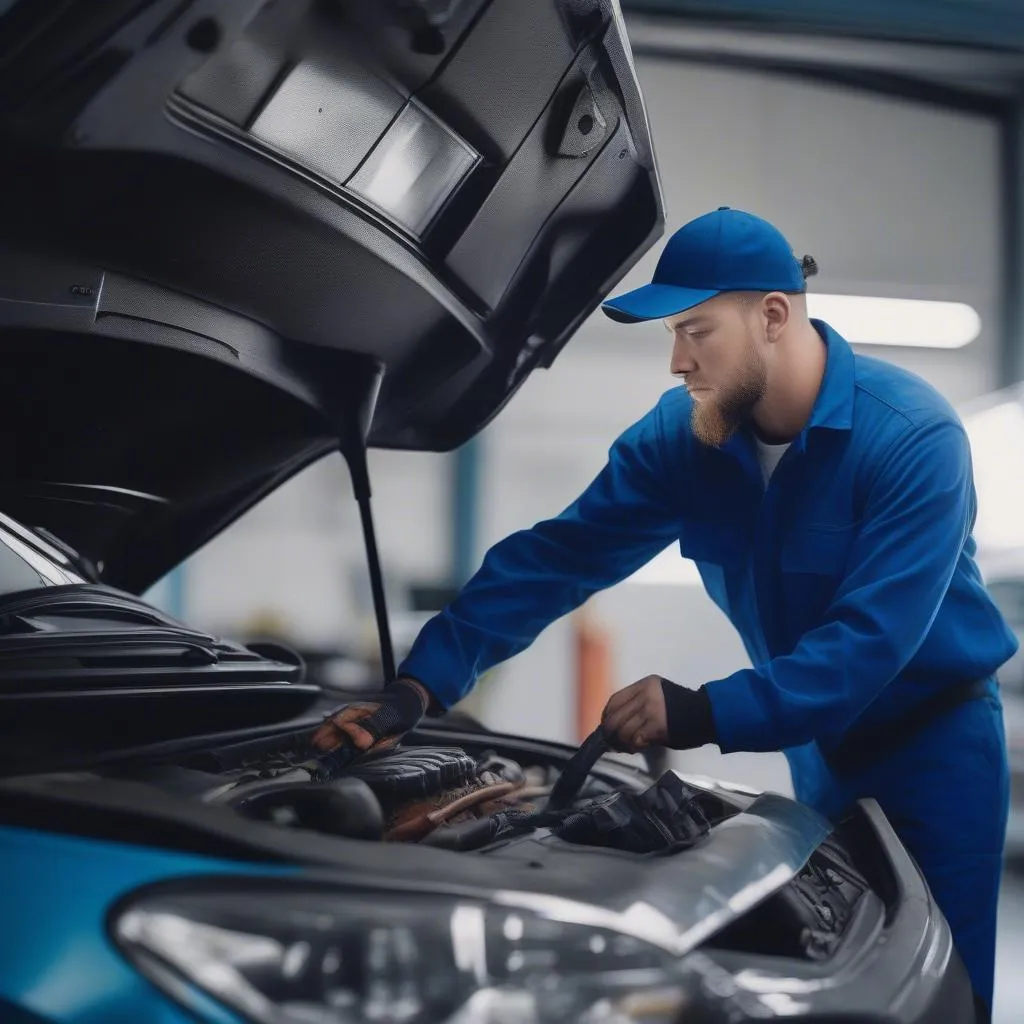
point(147, 645)
point(88, 599)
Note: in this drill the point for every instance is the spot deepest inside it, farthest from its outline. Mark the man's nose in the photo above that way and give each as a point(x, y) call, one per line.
point(682, 361)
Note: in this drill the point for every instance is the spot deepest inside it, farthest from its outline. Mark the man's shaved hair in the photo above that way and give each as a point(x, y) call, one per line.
point(808, 267)
point(748, 300)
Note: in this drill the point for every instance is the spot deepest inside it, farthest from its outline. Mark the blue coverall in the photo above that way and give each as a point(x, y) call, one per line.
point(850, 579)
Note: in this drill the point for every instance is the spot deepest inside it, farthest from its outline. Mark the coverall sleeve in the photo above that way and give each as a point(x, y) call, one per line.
point(531, 578)
point(919, 513)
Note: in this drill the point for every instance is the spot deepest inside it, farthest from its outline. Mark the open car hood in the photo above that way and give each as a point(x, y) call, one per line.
point(238, 235)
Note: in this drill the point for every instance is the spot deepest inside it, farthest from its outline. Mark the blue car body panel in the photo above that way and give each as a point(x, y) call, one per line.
point(59, 962)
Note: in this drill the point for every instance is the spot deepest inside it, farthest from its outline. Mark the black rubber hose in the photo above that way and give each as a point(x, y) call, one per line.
point(575, 773)
point(346, 807)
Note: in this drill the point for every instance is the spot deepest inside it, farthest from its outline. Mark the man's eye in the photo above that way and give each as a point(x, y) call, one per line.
point(700, 334)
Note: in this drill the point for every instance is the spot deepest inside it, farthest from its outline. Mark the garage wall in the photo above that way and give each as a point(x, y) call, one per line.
point(892, 198)
point(296, 562)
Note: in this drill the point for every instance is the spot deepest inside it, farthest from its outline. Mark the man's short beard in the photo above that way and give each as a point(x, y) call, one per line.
point(715, 421)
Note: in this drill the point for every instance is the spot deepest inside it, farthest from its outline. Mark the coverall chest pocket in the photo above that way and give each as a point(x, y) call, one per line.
point(814, 560)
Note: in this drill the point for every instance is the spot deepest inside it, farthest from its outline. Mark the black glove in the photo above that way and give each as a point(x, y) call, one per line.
point(689, 719)
point(369, 727)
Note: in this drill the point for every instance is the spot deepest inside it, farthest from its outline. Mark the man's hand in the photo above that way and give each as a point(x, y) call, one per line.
point(657, 713)
point(636, 717)
point(372, 726)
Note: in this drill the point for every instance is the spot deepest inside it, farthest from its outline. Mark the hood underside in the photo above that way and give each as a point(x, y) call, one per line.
point(238, 235)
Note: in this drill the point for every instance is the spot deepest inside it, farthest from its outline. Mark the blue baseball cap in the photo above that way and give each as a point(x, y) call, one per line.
point(724, 251)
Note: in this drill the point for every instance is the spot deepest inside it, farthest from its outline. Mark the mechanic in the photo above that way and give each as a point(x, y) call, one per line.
point(828, 501)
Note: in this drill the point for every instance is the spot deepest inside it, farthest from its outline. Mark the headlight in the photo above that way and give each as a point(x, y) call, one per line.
point(302, 956)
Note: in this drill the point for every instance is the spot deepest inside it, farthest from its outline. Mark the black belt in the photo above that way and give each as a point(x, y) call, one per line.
point(861, 746)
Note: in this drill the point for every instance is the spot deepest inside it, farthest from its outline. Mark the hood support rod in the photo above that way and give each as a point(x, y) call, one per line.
point(347, 391)
point(356, 458)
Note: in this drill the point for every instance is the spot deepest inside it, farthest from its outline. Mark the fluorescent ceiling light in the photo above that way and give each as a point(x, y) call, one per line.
point(668, 569)
point(919, 323)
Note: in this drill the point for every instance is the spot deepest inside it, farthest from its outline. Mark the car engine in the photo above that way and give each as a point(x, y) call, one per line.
point(444, 797)
point(476, 799)
point(474, 795)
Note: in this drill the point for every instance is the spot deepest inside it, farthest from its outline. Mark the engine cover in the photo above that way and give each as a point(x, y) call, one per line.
point(415, 772)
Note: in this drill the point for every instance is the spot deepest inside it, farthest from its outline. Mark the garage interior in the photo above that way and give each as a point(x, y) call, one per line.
point(886, 139)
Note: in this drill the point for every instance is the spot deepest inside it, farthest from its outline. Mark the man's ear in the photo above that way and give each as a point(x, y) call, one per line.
point(777, 311)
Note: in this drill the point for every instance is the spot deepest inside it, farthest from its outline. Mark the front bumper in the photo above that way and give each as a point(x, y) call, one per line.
point(898, 967)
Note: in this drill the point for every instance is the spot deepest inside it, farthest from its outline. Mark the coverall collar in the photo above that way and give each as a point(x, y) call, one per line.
point(832, 410)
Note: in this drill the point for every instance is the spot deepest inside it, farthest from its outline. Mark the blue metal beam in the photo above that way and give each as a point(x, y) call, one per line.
point(168, 593)
point(176, 592)
point(465, 511)
point(1011, 369)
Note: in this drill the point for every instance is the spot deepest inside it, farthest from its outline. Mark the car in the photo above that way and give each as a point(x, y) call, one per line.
point(236, 237)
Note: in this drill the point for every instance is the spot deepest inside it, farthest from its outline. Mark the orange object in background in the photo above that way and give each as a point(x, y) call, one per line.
point(593, 649)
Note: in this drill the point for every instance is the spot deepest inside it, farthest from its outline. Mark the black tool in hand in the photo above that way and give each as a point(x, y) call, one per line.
point(575, 773)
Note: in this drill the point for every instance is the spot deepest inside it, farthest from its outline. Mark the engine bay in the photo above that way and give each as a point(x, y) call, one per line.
point(445, 797)
point(688, 844)
point(478, 795)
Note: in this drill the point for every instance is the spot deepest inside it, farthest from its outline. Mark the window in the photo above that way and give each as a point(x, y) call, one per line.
point(24, 565)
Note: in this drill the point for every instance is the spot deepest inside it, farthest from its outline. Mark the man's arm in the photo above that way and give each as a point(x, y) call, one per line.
point(919, 513)
point(624, 518)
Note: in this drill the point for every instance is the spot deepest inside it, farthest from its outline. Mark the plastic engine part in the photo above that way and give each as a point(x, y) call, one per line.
point(472, 835)
point(503, 768)
point(665, 817)
point(415, 772)
point(345, 807)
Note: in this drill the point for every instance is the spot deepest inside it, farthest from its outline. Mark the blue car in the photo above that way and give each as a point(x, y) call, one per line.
point(236, 236)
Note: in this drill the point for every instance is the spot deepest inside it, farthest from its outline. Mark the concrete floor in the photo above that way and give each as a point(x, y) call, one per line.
point(1009, 1001)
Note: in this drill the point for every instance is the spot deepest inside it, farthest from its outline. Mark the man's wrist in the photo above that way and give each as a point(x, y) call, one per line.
point(689, 719)
point(427, 699)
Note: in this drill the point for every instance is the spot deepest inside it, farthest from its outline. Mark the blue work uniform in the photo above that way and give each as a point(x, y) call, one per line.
point(850, 578)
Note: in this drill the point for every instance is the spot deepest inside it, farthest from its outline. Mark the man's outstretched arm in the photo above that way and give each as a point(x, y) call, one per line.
point(629, 513)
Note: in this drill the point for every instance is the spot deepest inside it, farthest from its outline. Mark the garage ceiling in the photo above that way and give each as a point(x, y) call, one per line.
point(998, 24)
point(958, 52)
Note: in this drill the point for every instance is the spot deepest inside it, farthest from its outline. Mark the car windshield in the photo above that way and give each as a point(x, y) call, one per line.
point(28, 563)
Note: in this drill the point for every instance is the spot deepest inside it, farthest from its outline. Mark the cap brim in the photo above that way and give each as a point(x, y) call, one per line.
point(655, 302)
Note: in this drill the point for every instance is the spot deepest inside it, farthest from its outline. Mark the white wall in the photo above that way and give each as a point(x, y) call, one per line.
point(297, 558)
point(892, 198)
